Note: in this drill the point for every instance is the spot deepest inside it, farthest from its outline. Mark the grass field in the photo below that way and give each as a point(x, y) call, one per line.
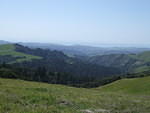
point(123, 96)
point(9, 49)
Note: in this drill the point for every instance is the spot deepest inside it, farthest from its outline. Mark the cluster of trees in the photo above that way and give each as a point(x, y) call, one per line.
point(41, 74)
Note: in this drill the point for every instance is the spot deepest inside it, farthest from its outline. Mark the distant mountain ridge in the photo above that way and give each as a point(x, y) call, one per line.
point(81, 50)
point(4, 42)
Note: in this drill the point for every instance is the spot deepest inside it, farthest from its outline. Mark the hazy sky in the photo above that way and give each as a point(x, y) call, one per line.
point(76, 21)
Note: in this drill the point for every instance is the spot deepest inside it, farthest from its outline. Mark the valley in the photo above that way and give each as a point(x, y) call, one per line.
point(36, 80)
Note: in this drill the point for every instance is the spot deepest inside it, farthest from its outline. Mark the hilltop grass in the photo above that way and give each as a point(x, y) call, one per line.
point(144, 56)
point(9, 49)
point(123, 96)
point(129, 86)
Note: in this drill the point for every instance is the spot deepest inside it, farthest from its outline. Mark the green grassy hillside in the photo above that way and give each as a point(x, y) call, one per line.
point(9, 49)
point(143, 59)
point(129, 86)
point(124, 96)
point(145, 56)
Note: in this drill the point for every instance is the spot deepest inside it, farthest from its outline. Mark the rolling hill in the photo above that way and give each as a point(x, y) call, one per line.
point(8, 51)
point(130, 63)
point(123, 96)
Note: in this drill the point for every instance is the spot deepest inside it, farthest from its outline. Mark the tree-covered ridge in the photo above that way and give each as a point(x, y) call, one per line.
point(57, 61)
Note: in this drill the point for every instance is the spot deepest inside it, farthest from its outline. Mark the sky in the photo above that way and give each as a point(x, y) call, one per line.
point(76, 21)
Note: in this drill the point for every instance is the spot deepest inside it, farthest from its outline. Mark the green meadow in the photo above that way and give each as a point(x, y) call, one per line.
point(123, 96)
